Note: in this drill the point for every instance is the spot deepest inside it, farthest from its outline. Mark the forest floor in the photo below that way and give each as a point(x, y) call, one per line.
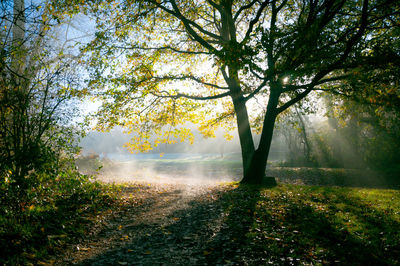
point(156, 223)
point(230, 224)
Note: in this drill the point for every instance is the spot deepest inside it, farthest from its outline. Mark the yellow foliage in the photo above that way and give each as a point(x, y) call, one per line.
point(228, 136)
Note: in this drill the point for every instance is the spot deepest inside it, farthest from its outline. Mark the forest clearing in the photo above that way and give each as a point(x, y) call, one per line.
point(207, 132)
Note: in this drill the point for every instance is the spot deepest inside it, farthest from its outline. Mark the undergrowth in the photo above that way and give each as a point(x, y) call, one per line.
point(50, 215)
point(284, 225)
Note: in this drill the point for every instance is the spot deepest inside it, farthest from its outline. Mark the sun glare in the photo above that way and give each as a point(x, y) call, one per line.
point(285, 80)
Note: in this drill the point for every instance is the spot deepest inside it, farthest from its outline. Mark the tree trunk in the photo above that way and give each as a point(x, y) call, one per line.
point(18, 37)
point(244, 131)
point(307, 146)
point(255, 173)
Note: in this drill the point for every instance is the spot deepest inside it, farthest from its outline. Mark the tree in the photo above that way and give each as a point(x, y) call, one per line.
point(372, 133)
point(367, 110)
point(228, 54)
point(294, 126)
point(36, 82)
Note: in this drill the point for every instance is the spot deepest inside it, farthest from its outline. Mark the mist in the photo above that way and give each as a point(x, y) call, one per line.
point(206, 161)
point(301, 143)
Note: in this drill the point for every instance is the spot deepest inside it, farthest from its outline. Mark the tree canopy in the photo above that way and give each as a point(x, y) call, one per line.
point(159, 65)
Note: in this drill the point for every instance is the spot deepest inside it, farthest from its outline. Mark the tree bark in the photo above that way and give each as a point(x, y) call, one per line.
point(255, 173)
point(18, 36)
point(244, 131)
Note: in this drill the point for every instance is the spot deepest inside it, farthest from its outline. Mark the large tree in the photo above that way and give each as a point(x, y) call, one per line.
point(159, 64)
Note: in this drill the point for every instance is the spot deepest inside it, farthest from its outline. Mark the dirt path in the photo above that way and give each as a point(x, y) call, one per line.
point(178, 223)
point(170, 224)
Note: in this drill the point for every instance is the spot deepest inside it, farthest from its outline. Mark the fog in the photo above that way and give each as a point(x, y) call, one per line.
point(352, 148)
point(207, 160)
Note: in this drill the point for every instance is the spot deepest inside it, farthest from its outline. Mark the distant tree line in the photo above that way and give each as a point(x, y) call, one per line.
point(354, 135)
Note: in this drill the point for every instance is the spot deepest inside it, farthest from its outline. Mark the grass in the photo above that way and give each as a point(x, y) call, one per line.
point(292, 224)
point(287, 224)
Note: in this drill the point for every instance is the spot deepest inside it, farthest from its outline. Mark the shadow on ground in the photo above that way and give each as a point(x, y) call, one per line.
point(249, 225)
point(205, 231)
point(335, 177)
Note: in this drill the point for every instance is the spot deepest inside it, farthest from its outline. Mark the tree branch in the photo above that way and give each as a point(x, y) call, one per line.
point(360, 32)
point(244, 8)
point(192, 97)
point(293, 100)
point(254, 21)
point(294, 87)
point(215, 5)
point(198, 80)
point(168, 47)
point(177, 13)
point(251, 95)
point(349, 45)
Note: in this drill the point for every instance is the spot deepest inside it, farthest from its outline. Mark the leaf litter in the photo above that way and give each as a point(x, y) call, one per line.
point(228, 224)
point(152, 224)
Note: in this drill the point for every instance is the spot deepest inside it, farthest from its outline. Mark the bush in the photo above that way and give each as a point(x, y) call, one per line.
point(50, 215)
